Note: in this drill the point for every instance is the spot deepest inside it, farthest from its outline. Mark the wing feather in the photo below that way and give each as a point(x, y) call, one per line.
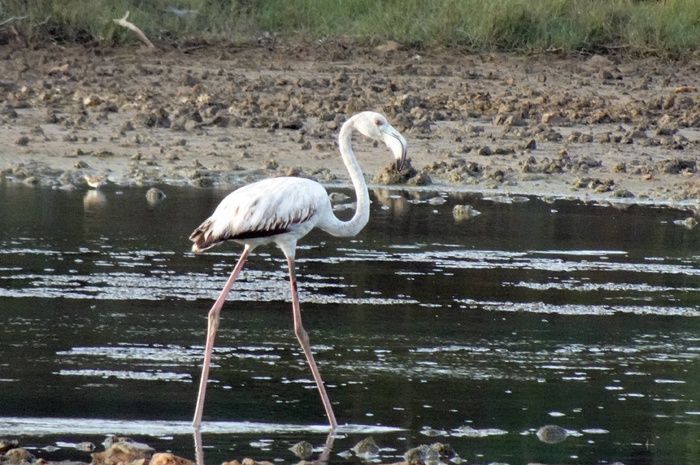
point(263, 209)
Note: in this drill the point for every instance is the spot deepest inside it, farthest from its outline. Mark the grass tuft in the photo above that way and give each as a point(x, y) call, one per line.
point(659, 26)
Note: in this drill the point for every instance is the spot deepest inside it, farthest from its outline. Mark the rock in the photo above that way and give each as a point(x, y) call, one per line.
point(22, 141)
point(85, 446)
point(420, 455)
point(669, 102)
point(620, 167)
point(293, 124)
point(420, 179)
point(388, 175)
point(36, 131)
point(7, 444)
point(390, 46)
point(622, 193)
point(531, 145)
point(167, 458)
point(60, 70)
point(677, 166)
point(552, 434)
point(553, 118)
point(201, 181)
point(435, 453)
point(367, 448)
point(600, 62)
point(445, 451)
point(464, 212)
point(594, 184)
point(7, 86)
point(302, 449)
point(508, 120)
point(190, 81)
point(605, 75)
point(249, 461)
point(515, 120)
point(126, 126)
point(122, 451)
point(338, 197)
point(665, 122)
point(689, 223)
point(158, 118)
point(485, 151)
point(588, 162)
point(92, 100)
point(154, 196)
point(18, 456)
point(8, 112)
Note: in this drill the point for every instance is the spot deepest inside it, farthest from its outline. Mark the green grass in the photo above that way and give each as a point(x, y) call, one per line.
point(650, 26)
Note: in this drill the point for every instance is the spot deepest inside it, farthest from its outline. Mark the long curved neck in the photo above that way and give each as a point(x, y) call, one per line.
point(361, 216)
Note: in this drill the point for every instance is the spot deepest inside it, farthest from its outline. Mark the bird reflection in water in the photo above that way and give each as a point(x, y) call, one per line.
point(93, 201)
point(393, 201)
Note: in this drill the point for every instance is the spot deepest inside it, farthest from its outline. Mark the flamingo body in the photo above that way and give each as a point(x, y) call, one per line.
point(264, 212)
point(281, 211)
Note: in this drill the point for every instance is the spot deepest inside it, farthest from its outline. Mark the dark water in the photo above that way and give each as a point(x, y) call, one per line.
point(474, 333)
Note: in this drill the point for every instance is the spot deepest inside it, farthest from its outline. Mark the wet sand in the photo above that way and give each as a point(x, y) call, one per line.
point(578, 126)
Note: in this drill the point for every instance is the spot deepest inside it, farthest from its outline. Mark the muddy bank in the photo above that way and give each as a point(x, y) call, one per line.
point(567, 126)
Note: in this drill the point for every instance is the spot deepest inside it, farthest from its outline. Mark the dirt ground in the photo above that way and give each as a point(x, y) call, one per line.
point(608, 128)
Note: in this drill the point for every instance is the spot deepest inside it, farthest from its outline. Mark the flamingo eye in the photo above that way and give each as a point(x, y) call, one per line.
point(378, 122)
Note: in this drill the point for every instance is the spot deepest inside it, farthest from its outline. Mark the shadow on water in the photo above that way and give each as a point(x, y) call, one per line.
point(474, 330)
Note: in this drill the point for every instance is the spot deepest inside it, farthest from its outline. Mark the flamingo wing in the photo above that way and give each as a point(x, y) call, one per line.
point(263, 209)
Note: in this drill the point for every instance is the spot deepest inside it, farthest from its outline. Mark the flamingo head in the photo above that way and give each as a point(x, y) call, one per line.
point(376, 127)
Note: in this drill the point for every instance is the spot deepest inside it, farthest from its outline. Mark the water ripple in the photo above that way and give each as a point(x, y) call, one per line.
point(580, 310)
point(130, 375)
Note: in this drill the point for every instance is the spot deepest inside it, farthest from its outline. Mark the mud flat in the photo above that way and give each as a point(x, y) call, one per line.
point(586, 126)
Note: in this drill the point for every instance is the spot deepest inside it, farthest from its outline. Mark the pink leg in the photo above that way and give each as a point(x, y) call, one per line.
point(198, 449)
point(304, 340)
point(211, 334)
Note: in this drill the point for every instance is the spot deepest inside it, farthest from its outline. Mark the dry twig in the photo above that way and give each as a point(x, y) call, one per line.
point(9, 20)
point(123, 22)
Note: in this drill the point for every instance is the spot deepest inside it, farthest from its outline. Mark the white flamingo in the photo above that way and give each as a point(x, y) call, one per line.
point(283, 210)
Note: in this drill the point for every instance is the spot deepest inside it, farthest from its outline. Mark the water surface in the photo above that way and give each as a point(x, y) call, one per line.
point(426, 329)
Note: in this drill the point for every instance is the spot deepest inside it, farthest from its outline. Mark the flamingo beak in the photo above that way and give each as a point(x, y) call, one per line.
point(396, 142)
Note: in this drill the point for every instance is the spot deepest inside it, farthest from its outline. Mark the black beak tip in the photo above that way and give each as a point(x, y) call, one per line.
point(400, 163)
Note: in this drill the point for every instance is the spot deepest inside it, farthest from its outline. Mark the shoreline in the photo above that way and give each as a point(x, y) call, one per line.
point(597, 128)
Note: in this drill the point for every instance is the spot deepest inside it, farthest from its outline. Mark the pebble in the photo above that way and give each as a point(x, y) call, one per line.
point(22, 141)
point(366, 449)
point(464, 212)
point(552, 434)
point(18, 456)
point(689, 223)
point(302, 449)
point(338, 197)
point(155, 196)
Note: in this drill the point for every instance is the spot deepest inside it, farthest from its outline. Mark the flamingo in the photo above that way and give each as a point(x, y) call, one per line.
point(282, 211)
